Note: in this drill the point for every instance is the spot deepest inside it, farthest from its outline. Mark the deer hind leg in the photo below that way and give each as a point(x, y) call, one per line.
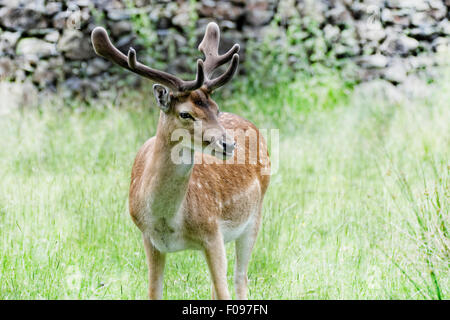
point(244, 246)
point(156, 261)
point(217, 263)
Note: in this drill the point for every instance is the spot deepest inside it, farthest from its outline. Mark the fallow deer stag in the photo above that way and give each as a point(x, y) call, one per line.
point(202, 203)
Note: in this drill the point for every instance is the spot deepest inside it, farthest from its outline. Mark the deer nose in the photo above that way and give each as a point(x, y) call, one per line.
point(228, 146)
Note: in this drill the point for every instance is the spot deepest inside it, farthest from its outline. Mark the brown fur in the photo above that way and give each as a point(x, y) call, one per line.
point(191, 204)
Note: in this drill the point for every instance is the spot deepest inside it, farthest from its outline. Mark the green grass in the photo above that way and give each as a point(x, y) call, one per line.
point(359, 208)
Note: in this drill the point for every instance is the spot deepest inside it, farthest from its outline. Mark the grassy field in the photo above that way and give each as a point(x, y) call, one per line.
point(359, 208)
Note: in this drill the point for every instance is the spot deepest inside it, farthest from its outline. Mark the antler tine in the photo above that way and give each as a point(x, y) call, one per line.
point(103, 47)
point(199, 79)
point(210, 48)
point(225, 77)
point(132, 61)
point(184, 85)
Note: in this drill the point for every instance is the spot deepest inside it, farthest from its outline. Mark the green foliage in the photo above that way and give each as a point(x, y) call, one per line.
point(359, 208)
point(145, 29)
point(98, 16)
point(160, 50)
point(190, 31)
point(290, 50)
point(284, 104)
point(286, 51)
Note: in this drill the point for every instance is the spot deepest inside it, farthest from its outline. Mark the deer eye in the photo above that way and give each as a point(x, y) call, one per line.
point(185, 115)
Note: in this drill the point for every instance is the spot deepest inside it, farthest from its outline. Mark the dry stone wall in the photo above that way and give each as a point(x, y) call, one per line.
point(47, 43)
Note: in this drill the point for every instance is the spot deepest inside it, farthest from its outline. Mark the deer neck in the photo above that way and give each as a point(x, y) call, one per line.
point(168, 180)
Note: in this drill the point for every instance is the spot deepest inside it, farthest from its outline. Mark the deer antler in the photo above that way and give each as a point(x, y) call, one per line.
point(104, 47)
point(210, 48)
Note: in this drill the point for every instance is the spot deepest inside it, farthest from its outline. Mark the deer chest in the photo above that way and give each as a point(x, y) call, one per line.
point(165, 234)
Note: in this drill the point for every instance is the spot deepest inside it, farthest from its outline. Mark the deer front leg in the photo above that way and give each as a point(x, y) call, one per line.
point(213, 292)
point(217, 263)
point(156, 261)
point(244, 246)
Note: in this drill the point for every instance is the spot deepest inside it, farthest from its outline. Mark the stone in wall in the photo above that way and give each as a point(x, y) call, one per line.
point(47, 42)
point(22, 18)
point(35, 47)
point(75, 46)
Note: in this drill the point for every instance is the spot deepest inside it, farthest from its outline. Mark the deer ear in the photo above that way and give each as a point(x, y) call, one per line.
point(162, 96)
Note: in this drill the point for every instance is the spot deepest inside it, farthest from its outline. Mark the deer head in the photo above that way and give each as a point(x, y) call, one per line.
point(185, 104)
